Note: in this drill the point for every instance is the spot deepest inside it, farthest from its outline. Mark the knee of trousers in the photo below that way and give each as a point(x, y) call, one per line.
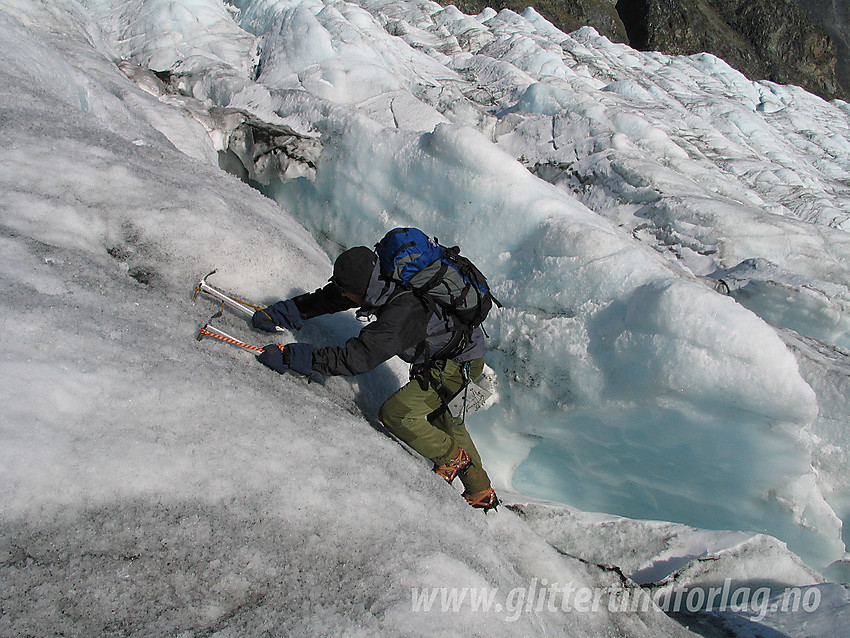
point(415, 433)
point(387, 416)
point(392, 418)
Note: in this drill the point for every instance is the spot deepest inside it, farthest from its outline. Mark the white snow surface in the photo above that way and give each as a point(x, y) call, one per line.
point(669, 241)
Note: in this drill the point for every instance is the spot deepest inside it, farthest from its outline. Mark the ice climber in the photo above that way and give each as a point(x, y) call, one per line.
point(403, 326)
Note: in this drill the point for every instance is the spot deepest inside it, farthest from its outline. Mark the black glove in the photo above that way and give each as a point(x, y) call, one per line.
point(272, 357)
point(282, 313)
point(297, 357)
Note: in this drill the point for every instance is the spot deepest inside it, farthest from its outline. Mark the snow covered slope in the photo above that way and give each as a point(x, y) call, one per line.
point(155, 484)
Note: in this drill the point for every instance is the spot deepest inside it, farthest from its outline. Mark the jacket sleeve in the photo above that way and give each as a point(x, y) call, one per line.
point(324, 301)
point(401, 324)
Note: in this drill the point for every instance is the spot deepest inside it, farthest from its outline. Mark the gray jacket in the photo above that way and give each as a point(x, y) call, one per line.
point(403, 326)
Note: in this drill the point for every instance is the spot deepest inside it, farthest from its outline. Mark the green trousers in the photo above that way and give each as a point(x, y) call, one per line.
point(419, 418)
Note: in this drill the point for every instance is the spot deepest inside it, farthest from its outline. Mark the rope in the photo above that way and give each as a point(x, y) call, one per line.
point(235, 342)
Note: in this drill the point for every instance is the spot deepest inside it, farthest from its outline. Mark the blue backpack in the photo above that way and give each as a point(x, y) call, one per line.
point(437, 276)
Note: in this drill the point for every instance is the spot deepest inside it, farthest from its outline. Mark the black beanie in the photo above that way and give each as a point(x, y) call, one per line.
point(353, 269)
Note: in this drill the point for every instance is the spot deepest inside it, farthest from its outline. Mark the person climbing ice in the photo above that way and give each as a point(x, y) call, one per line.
point(428, 303)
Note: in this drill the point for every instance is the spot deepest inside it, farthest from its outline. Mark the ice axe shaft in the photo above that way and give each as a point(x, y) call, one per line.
point(240, 306)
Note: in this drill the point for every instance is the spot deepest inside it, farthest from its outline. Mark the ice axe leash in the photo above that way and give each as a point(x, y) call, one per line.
point(209, 330)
